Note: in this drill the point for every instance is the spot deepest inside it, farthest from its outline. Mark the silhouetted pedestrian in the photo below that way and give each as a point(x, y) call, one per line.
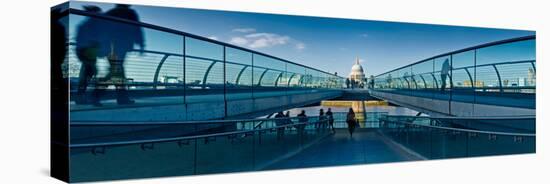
point(288, 120)
point(120, 39)
point(371, 82)
point(322, 119)
point(444, 74)
point(351, 121)
point(87, 48)
point(330, 118)
point(302, 119)
point(280, 121)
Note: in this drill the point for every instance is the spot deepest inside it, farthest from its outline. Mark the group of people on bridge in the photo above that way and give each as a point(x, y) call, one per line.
point(325, 118)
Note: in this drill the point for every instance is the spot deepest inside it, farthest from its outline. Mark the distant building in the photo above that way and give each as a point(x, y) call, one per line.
point(478, 84)
point(357, 74)
point(531, 77)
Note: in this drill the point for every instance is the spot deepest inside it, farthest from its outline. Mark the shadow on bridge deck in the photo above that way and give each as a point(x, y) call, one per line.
point(367, 146)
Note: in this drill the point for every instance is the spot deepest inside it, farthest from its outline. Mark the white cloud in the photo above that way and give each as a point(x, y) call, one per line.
point(213, 37)
point(300, 46)
point(255, 40)
point(244, 30)
point(261, 40)
point(238, 41)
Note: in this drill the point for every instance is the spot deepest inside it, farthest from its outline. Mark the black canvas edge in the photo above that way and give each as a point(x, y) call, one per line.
point(59, 98)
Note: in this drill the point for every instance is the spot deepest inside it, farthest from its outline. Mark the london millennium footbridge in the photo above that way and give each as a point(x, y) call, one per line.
point(204, 106)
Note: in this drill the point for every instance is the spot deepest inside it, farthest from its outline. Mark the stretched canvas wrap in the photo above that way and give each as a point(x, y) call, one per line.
point(144, 91)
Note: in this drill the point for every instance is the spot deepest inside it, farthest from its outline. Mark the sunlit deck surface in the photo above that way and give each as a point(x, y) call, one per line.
point(366, 146)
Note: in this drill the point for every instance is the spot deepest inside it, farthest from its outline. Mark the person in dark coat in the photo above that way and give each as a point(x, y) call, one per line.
point(288, 121)
point(444, 73)
point(120, 39)
point(287, 114)
point(302, 118)
point(371, 82)
point(87, 47)
point(279, 118)
point(330, 118)
point(280, 121)
point(351, 121)
point(322, 119)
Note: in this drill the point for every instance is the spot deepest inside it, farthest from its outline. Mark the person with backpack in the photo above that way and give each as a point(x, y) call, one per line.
point(302, 119)
point(330, 120)
point(280, 121)
point(87, 48)
point(445, 68)
point(288, 120)
point(351, 121)
point(322, 119)
point(119, 40)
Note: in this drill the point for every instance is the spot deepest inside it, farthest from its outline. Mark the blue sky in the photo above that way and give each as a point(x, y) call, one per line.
point(324, 43)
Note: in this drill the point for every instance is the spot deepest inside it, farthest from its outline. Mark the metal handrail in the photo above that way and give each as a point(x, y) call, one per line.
point(458, 88)
point(156, 83)
point(470, 131)
point(531, 37)
point(500, 87)
point(261, 122)
point(172, 139)
point(385, 118)
point(489, 117)
point(164, 29)
point(474, 66)
point(134, 123)
point(467, 118)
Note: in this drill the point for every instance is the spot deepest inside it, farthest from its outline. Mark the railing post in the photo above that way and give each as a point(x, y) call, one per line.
point(224, 83)
point(277, 79)
point(301, 131)
point(290, 79)
point(300, 80)
point(184, 75)
point(431, 142)
point(206, 74)
point(239, 75)
point(252, 76)
point(254, 150)
point(423, 80)
point(475, 75)
point(468, 144)
point(470, 77)
point(415, 83)
point(262, 76)
point(435, 80)
point(195, 158)
point(499, 79)
point(155, 78)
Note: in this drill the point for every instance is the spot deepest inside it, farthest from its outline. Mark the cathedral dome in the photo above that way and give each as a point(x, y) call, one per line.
point(356, 68)
point(357, 72)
